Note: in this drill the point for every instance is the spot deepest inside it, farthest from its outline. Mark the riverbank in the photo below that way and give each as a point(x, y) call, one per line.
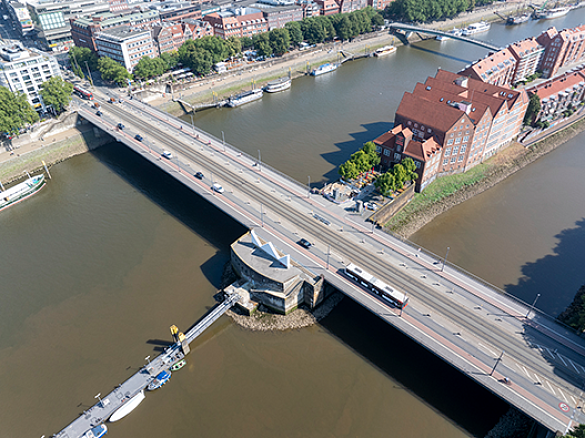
point(449, 191)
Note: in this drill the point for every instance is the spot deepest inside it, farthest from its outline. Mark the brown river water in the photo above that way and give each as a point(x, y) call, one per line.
point(97, 266)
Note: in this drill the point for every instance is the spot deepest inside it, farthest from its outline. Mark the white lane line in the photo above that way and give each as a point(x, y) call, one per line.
point(525, 370)
point(488, 350)
point(574, 401)
point(563, 396)
point(551, 388)
point(549, 352)
point(581, 367)
point(561, 358)
point(573, 365)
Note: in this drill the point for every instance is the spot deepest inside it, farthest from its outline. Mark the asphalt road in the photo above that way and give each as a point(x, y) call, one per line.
point(469, 324)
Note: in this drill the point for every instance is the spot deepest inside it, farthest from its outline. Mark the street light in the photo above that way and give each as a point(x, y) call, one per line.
point(147, 358)
point(309, 195)
point(192, 124)
point(99, 398)
point(259, 160)
point(533, 304)
point(223, 140)
point(262, 214)
point(445, 259)
point(89, 72)
point(497, 362)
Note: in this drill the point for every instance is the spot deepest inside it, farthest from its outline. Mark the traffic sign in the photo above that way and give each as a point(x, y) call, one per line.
point(564, 407)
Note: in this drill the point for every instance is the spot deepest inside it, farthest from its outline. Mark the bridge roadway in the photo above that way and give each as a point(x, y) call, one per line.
point(102, 410)
point(460, 318)
point(409, 28)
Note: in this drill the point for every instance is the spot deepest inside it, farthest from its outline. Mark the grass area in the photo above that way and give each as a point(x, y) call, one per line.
point(439, 189)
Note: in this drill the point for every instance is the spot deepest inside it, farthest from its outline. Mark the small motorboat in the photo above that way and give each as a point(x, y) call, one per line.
point(179, 365)
point(162, 378)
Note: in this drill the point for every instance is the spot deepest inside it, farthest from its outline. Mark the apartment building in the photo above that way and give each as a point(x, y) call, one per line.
point(450, 124)
point(328, 7)
point(527, 54)
point(84, 31)
point(237, 22)
point(25, 71)
point(193, 29)
point(497, 68)
point(346, 6)
point(561, 49)
point(126, 45)
point(559, 94)
point(277, 16)
point(168, 36)
point(20, 17)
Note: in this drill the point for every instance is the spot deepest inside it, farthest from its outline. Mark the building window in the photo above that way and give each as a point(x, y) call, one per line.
point(453, 159)
point(461, 158)
point(445, 161)
point(463, 147)
point(396, 157)
point(458, 140)
point(447, 152)
point(417, 164)
point(449, 142)
point(455, 149)
point(387, 152)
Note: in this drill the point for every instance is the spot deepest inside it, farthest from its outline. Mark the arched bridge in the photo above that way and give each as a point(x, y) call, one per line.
point(409, 28)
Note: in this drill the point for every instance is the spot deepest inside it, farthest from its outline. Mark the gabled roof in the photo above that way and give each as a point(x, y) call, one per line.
point(422, 151)
point(563, 83)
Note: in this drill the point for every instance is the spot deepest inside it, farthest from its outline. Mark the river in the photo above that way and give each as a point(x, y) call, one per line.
point(98, 265)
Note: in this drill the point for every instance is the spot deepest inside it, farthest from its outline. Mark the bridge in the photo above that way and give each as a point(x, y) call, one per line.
point(410, 28)
point(111, 402)
point(501, 343)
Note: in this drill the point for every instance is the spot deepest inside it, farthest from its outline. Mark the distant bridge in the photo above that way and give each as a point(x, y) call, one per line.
point(409, 28)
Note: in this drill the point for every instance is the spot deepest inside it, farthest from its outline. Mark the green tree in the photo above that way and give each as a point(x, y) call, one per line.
point(79, 56)
point(149, 68)
point(197, 59)
point(410, 168)
point(262, 44)
point(112, 71)
point(15, 112)
point(371, 151)
point(348, 170)
point(247, 43)
point(400, 175)
point(343, 27)
point(361, 161)
point(234, 45)
point(279, 41)
point(217, 47)
point(577, 432)
point(386, 184)
point(313, 31)
point(295, 32)
point(56, 93)
point(532, 110)
point(171, 59)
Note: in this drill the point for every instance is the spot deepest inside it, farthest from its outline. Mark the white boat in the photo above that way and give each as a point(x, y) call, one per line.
point(473, 28)
point(442, 38)
point(281, 84)
point(162, 377)
point(128, 407)
point(548, 14)
point(96, 432)
point(21, 191)
point(518, 19)
point(325, 68)
point(383, 51)
point(246, 97)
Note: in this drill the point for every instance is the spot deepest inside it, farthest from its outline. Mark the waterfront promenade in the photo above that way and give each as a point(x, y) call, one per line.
point(458, 317)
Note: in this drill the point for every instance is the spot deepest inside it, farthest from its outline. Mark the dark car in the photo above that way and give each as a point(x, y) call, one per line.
point(98, 113)
point(305, 243)
point(199, 175)
point(138, 137)
point(120, 126)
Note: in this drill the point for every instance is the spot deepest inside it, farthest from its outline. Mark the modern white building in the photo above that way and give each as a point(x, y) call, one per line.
point(126, 45)
point(25, 70)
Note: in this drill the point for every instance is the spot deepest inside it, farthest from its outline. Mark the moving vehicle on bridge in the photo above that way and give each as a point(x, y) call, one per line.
point(377, 286)
point(82, 92)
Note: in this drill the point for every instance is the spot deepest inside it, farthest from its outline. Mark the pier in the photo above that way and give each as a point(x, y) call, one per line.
point(110, 403)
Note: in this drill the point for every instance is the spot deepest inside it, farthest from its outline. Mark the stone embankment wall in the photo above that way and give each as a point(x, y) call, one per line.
point(384, 214)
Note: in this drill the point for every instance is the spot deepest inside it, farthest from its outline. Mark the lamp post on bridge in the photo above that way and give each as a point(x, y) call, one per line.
point(445, 259)
point(99, 398)
point(533, 304)
point(223, 140)
point(496, 364)
point(259, 160)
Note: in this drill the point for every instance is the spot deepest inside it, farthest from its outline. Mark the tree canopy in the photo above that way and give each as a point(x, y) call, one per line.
point(532, 110)
point(574, 315)
point(148, 68)
point(113, 71)
point(577, 432)
point(15, 112)
point(279, 41)
point(361, 161)
point(294, 31)
point(78, 56)
point(262, 44)
point(428, 10)
point(56, 93)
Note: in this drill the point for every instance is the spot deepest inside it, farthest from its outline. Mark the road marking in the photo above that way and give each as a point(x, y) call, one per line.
point(549, 352)
point(561, 358)
point(574, 400)
point(562, 394)
point(488, 350)
point(571, 362)
point(525, 370)
point(551, 388)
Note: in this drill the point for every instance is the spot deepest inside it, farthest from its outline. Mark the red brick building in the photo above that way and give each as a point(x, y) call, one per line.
point(193, 29)
point(451, 123)
point(239, 22)
point(168, 36)
point(497, 68)
point(328, 7)
point(561, 49)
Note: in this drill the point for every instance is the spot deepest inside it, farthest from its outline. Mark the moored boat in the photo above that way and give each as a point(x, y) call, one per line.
point(161, 378)
point(518, 19)
point(179, 365)
point(383, 51)
point(325, 68)
point(21, 191)
point(127, 407)
point(245, 97)
point(474, 28)
point(548, 14)
point(281, 84)
point(96, 432)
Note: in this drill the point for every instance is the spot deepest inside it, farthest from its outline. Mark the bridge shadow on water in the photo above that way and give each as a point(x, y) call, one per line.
point(415, 369)
point(439, 54)
point(346, 148)
point(556, 278)
point(200, 216)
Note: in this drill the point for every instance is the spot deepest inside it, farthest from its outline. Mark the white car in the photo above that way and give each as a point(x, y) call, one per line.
point(217, 188)
point(167, 155)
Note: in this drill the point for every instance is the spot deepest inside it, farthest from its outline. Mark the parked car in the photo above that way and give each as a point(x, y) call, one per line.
point(138, 137)
point(120, 126)
point(217, 188)
point(98, 113)
point(167, 155)
point(199, 175)
point(305, 243)
point(371, 206)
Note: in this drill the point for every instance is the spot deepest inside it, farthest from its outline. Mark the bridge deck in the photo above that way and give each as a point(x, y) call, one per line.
point(462, 319)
